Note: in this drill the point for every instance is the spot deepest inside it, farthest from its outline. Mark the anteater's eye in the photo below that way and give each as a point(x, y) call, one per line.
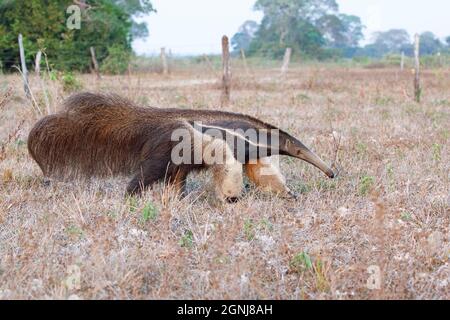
point(299, 152)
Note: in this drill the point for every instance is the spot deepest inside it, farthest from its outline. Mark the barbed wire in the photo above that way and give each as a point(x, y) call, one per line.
point(171, 49)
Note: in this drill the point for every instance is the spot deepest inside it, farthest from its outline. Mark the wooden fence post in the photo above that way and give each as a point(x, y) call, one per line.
point(26, 85)
point(94, 62)
point(37, 66)
point(244, 59)
point(286, 60)
point(37, 70)
point(402, 62)
point(226, 78)
point(164, 61)
point(417, 88)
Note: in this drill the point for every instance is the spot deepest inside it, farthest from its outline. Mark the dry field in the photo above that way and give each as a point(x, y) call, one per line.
point(381, 230)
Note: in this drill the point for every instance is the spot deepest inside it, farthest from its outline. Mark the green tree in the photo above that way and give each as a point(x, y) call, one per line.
point(343, 32)
point(312, 27)
point(137, 9)
point(291, 23)
point(245, 35)
point(391, 41)
point(104, 24)
point(117, 60)
point(429, 43)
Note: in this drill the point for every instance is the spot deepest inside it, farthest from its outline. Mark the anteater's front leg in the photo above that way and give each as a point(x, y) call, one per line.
point(227, 171)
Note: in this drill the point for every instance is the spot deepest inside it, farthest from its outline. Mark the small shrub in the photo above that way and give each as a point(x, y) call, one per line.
point(249, 229)
point(445, 133)
point(53, 75)
point(265, 224)
point(361, 60)
point(406, 216)
point(302, 98)
point(75, 231)
point(303, 188)
point(70, 83)
point(325, 185)
point(390, 175)
point(117, 61)
point(112, 214)
point(385, 114)
point(418, 95)
point(187, 240)
point(301, 262)
point(132, 202)
point(437, 150)
point(320, 272)
point(383, 101)
point(149, 212)
point(365, 184)
point(361, 148)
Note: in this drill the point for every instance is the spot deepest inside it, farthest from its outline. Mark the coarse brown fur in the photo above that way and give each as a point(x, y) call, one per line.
point(105, 134)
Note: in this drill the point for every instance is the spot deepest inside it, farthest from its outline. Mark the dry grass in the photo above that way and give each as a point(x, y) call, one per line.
point(388, 209)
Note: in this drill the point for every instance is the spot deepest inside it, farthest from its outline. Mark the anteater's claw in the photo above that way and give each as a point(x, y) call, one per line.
point(232, 199)
point(292, 195)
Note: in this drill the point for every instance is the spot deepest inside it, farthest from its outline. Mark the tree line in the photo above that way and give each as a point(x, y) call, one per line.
point(317, 29)
point(108, 25)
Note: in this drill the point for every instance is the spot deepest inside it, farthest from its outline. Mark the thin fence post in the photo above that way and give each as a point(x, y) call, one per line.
point(244, 59)
point(417, 88)
point(95, 62)
point(210, 65)
point(37, 66)
point(286, 60)
point(170, 62)
point(226, 78)
point(402, 62)
point(26, 85)
point(37, 71)
point(164, 61)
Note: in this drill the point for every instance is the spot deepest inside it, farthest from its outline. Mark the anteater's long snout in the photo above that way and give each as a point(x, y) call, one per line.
point(295, 148)
point(313, 159)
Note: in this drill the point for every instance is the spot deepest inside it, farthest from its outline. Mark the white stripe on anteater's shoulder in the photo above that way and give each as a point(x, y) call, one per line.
point(234, 133)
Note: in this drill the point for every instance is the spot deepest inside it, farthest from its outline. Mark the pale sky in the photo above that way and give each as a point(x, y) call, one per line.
point(196, 26)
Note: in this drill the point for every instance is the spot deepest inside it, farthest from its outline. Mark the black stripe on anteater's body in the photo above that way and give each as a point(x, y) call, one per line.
point(101, 135)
